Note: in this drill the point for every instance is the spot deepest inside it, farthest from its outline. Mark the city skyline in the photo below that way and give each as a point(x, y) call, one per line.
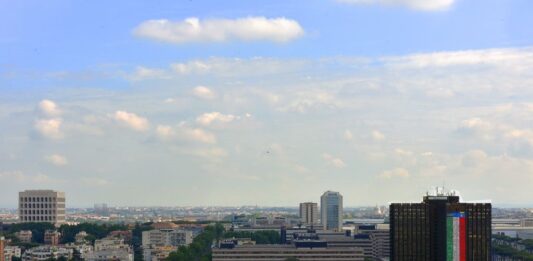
point(197, 103)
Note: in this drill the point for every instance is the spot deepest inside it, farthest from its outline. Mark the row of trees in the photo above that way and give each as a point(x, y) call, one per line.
point(95, 231)
point(200, 249)
point(136, 239)
point(68, 232)
point(505, 246)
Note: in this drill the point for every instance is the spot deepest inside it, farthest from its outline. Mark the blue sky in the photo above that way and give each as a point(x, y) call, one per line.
point(378, 99)
point(52, 35)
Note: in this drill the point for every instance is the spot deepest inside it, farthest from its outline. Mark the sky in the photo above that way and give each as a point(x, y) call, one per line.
point(270, 103)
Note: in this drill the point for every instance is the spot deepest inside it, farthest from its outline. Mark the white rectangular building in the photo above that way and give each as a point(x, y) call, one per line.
point(309, 213)
point(42, 206)
point(154, 242)
point(166, 237)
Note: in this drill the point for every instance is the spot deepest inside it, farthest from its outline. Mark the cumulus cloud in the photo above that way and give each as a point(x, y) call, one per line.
point(95, 182)
point(333, 161)
point(21, 177)
point(311, 99)
point(131, 120)
point(235, 66)
point(49, 108)
point(377, 136)
point(145, 73)
point(395, 173)
point(213, 154)
point(422, 5)
point(185, 133)
point(57, 160)
point(474, 158)
point(49, 128)
point(165, 132)
point(41, 179)
point(11, 176)
point(203, 92)
point(475, 125)
point(496, 56)
point(198, 135)
point(207, 118)
point(348, 135)
point(220, 30)
point(191, 67)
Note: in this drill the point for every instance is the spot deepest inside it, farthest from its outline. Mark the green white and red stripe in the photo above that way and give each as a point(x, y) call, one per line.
point(456, 237)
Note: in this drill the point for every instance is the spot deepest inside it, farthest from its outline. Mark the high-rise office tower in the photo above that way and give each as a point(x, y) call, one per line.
point(309, 213)
point(441, 229)
point(331, 210)
point(42, 206)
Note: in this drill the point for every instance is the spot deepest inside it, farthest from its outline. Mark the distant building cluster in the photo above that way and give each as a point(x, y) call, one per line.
point(440, 227)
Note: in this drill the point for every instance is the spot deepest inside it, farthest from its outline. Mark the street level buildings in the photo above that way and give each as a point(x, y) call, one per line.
point(303, 251)
point(24, 236)
point(440, 228)
point(331, 211)
point(42, 206)
point(374, 239)
point(52, 237)
point(12, 251)
point(42, 253)
point(110, 249)
point(158, 243)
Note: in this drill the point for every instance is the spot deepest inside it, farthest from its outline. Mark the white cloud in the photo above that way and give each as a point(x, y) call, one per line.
point(423, 5)
point(11, 176)
point(402, 152)
point(475, 124)
point(169, 100)
point(234, 66)
point(199, 135)
point(312, 99)
point(57, 159)
point(165, 132)
point(49, 108)
point(145, 73)
point(41, 179)
point(191, 67)
point(496, 57)
point(208, 118)
point(440, 93)
point(131, 120)
point(220, 30)
point(185, 133)
point(20, 177)
point(213, 154)
point(49, 128)
point(377, 136)
point(474, 158)
point(95, 182)
point(395, 173)
point(333, 161)
point(348, 135)
point(203, 93)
